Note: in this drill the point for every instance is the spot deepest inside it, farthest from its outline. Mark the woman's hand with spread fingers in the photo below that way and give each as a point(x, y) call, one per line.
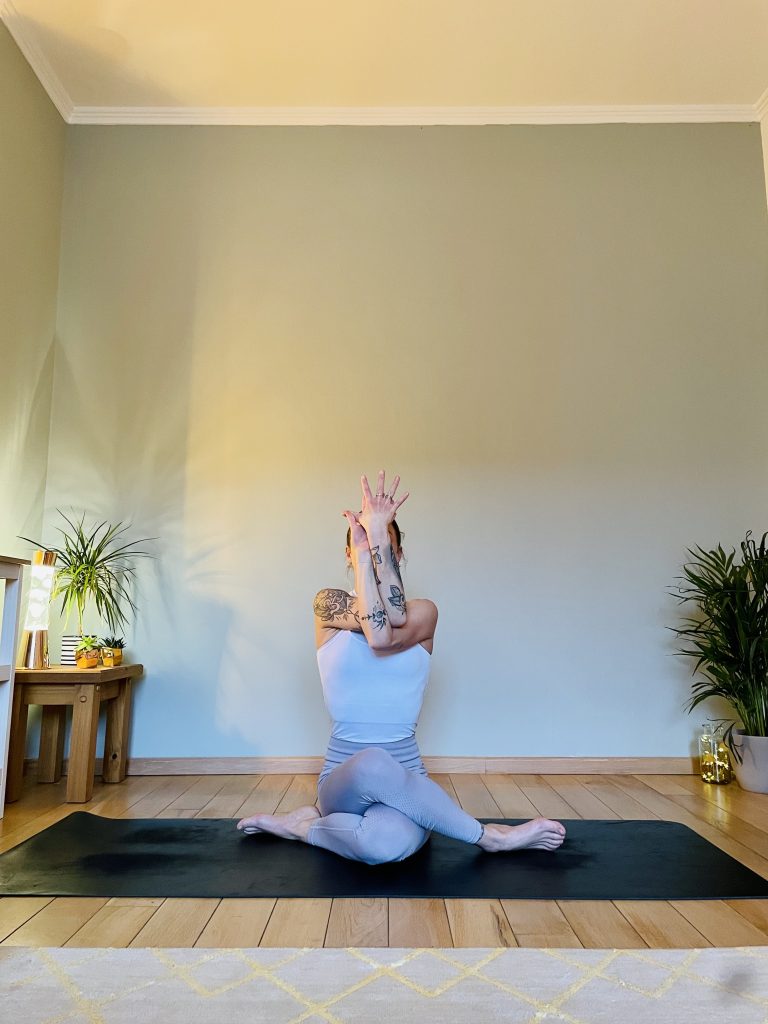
point(379, 509)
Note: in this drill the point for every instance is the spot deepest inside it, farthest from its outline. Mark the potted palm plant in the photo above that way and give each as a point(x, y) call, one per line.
point(94, 565)
point(728, 637)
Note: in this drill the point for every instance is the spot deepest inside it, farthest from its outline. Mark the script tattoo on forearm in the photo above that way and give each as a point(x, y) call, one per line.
point(395, 564)
point(334, 604)
point(396, 597)
point(378, 617)
point(376, 560)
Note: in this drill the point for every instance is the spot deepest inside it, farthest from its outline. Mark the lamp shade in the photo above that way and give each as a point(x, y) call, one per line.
point(33, 652)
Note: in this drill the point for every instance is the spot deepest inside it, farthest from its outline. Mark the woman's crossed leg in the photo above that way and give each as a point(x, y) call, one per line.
point(374, 810)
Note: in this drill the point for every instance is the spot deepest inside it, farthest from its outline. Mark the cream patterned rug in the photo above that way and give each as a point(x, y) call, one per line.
point(369, 985)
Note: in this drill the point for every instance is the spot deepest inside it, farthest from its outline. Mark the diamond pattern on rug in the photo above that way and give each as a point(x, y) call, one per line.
point(362, 985)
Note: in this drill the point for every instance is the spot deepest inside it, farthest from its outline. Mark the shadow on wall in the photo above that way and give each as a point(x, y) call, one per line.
point(27, 421)
point(105, 458)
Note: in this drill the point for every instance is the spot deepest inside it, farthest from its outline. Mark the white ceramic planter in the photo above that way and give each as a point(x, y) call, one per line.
point(68, 644)
point(753, 773)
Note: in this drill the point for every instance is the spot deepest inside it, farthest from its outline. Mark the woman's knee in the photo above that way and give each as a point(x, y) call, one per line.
point(393, 836)
point(374, 764)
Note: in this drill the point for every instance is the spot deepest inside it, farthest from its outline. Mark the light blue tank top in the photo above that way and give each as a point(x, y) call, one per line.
point(372, 698)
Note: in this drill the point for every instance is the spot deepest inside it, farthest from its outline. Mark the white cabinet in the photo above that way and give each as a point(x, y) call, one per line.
point(10, 578)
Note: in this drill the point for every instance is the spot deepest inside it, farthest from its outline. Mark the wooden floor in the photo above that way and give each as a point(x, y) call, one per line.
point(732, 819)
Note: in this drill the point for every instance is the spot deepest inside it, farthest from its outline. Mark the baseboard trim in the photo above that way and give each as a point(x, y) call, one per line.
point(437, 765)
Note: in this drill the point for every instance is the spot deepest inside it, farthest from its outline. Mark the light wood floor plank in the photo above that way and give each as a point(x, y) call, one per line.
point(167, 790)
point(540, 923)
point(176, 923)
point(230, 798)
point(17, 910)
point(302, 790)
point(509, 798)
point(358, 922)
point(581, 797)
point(668, 785)
point(722, 803)
point(298, 922)
point(56, 922)
point(755, 911)
point(660, 925)
point(473, 796)
point(37, 799)
point(266, 795)
point(609, 792)
point(116, 924)
point(237, 923)
point(599, 925)
point(719, 923)
point(419, 923)
point(195, 797)
point(478, 923)
point(547, 801)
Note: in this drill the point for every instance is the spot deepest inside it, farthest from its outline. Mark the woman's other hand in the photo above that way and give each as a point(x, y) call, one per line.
point(379, 509)
point(358, 538)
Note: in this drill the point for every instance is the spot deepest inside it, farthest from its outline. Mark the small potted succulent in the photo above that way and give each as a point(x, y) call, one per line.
point(87, 652)
point(112, 651)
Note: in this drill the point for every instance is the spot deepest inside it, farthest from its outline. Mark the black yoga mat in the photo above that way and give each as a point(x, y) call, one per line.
point(88, 855)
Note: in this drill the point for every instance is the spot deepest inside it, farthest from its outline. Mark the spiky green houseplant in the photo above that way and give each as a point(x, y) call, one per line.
point(94, 566)
point(729, 635)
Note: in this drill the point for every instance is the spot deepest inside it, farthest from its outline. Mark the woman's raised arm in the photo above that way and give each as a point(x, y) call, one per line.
point(377, 513)
point(370, 610)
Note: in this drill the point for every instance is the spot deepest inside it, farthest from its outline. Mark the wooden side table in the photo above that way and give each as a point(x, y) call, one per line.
point(86, 690)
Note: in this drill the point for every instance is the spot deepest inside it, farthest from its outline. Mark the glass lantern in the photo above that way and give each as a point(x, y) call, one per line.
point(714, 758)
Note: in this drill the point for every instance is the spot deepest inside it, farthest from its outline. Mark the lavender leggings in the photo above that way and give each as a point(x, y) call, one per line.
point(378, 804)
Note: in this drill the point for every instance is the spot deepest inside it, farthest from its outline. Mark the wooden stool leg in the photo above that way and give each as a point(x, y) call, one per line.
point(116, 737)
point(18, 742)
point(51, 743)
point(82, 746)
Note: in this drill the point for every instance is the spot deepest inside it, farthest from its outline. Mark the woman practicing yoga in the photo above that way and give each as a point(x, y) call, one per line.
point(376, 800)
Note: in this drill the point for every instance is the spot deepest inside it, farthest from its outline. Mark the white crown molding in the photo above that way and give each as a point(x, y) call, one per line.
point(22, 31)
point(36, 59)
point(413, 115)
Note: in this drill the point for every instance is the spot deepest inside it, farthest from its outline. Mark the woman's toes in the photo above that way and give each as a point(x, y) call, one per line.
point(249, 824)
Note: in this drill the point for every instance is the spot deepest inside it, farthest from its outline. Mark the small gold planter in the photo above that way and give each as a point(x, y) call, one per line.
point(111, 656)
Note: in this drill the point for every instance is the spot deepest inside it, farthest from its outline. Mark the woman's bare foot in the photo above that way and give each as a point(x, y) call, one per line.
point(538, 834)
point(293, 825)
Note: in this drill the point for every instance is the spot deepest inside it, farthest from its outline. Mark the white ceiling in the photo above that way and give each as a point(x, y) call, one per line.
point(397, 61)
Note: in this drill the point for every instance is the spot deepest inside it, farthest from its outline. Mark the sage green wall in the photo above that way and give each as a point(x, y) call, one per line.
point(32, 137)
point(555, 334)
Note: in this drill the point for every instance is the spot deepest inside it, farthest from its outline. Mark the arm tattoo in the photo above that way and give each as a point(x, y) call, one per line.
point(376, 560)
point(378, 617)
point(395, 564)
point(396, 597)
point(334, 604)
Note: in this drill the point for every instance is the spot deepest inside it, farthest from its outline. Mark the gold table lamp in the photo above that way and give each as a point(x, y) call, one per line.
point(33, 651)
